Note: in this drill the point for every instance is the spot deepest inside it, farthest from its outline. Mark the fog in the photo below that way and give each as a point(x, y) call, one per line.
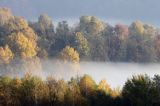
point(117, 73)
point(114, 73)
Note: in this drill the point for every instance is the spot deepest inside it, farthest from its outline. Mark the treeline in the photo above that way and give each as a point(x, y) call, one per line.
point(90, 39)
point(139, 90)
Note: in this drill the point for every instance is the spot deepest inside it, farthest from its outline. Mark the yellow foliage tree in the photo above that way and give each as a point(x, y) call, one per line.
point(103, 86)
point(137, 28)
point(21, 45)
point(87, 85)
point(18, 24)
point(69, 54)
point(6, 55)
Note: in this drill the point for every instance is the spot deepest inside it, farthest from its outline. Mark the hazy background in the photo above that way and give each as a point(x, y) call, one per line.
point(112, 11)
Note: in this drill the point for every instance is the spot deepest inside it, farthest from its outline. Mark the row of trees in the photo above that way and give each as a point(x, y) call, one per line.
point(139, 90)
point(91, 39)
point(96, 40)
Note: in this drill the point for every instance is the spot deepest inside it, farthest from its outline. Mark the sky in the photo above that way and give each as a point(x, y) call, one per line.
point(112, 11)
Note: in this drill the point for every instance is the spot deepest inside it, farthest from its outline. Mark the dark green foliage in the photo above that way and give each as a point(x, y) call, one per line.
point(81, 45)
point(64, 37)
point(44, 28)
point(141, 91)
point(140, 49)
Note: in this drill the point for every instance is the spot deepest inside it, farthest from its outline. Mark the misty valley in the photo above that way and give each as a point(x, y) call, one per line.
point(90, 63)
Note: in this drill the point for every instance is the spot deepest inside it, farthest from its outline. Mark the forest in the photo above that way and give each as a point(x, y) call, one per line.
point(25, 45)
point(89, 40)
point(140, 90)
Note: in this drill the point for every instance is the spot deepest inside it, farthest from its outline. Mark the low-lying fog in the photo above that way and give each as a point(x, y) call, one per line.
point(115, 73)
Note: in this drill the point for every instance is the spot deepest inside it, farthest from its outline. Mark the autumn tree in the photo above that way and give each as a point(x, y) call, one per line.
point(73, 95)
point(18, 24)
point(15, 85)
point(136, 28)
point(6, 55)
point(5, 91)
point(34, 91)
point(87, 85)
point(58, 92)
point(121, 31)
point(103, 86)
point(21, 45)
point(14, 25)
point(69, 54)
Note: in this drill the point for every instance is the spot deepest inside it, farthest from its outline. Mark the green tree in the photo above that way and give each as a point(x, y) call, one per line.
point(140, 49)
point(81, 45)
point(156, 90)
point(64, 36)
point(157, 46)
point(98, 48)
point(137, 91)
point(44, 28)
point(91, 25)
